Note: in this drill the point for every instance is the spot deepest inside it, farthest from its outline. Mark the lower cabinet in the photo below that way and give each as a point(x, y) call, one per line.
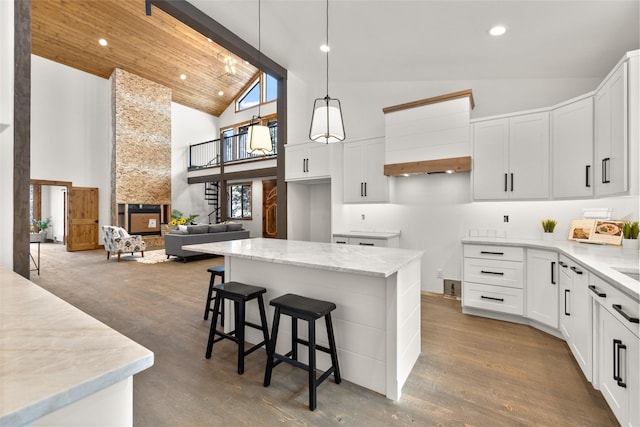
point(384, 242)
point(576, 313)
point(542, 287)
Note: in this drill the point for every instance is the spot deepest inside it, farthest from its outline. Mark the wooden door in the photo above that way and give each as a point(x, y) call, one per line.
point(269, 208)
point(83, 219)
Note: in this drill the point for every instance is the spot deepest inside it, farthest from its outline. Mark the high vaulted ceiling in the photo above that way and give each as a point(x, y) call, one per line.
point(372, 41)
point(155, 47)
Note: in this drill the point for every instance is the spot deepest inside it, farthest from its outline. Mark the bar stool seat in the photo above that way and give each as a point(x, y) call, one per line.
point(299, 307)
point(215, 271)
point(239, 293)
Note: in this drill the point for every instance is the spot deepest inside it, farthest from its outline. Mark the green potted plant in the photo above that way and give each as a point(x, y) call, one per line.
point(630, 233)
point(548, 226)
point(42, 225)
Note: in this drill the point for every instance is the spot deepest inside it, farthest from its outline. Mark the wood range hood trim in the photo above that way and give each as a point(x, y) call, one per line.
point(434, 100)
point(422, 167)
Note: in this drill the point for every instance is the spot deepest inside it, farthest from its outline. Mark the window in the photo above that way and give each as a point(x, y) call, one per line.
point(257, 94)
point(240, 201)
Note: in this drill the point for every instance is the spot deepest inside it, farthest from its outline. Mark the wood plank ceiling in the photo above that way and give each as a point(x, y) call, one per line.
point(157, 47)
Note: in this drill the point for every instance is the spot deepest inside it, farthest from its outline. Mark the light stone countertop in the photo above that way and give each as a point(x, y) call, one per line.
point(369, 234)
point(602, 260)
point(372, 261)
point(52, 354)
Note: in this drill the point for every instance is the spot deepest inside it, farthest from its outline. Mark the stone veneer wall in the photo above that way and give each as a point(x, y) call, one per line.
point(141, 159)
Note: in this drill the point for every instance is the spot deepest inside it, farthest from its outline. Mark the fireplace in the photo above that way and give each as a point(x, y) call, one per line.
point(144, 219)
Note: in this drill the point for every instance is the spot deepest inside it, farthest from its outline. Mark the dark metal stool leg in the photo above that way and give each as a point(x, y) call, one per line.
point(294, 338)
point(312, 364)
point(332, 348)
point(263, 322)
point(207, 307)
point(240, 335)
point(212, 330)
point(271, 348)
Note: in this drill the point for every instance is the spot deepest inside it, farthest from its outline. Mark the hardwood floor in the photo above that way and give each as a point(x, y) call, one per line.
point(472, 371)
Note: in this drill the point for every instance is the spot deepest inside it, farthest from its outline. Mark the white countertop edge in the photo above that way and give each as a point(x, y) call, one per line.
point(63, 398)
point(601, 269)
point(380, 235)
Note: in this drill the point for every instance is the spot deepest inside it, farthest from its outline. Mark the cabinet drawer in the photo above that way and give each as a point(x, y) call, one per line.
point(625, 307)
point(505, 253)
point(341, 240)
point(367, 242)
point(492, 272)
point(494, 298)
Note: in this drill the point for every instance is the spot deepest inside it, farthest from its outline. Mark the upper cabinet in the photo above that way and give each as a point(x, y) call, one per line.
point(611, 134)
point(363, 173)
point(572, 149)
point(511, 158)
point(309, 161)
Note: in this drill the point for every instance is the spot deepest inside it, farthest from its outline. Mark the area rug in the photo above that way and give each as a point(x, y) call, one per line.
point(150, 257)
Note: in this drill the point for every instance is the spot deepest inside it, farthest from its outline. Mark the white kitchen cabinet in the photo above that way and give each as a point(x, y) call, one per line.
point(493, 278)
point(542, 287)
point(576, 313)
point(511, 158)
point(572, 150)
point(309, 161)
point(611, 134)
point(364, 179)
point(383, 240)
point(619, 368)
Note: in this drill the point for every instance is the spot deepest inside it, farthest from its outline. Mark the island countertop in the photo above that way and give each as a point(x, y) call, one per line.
point(52, 354)
point(372, 261)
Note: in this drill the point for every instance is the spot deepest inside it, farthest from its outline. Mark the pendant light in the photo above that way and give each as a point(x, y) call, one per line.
point(326, 120)
point(258, 135)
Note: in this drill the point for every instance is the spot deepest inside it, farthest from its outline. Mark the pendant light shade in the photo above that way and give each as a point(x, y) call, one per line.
point(259, 136)
point(259, 139)
point(326, 121)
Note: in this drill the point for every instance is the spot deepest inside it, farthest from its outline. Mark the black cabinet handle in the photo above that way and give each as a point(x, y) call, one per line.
point(497, 273)
point(617, 346)
point(575, 270)
point(492, 298)
point(365, 189)
point(618, 308)
point(566, 291)
point(340, 242)
point(553, 272)
point(563, 265)
point(362, 189)
point(505, 182)
point(597, 292)
point(605, 170)
point(586, 178)
point(366, 244)
point(304, 165)
point(491, 253)
point(512, 181)
point(307, 166)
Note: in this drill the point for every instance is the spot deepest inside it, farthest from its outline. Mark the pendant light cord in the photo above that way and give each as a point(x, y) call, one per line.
point(328, 48)
point(259, 58)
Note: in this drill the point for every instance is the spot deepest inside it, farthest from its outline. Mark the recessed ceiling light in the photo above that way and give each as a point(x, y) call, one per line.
point(183, 76)
point(102, 42)
point(220, 93)
point(325, 48)
point(498, 30)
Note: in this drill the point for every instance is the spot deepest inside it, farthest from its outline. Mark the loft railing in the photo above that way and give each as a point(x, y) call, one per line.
point(228, 150)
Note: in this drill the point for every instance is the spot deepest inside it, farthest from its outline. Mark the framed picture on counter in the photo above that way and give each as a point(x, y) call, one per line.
point(596, 231)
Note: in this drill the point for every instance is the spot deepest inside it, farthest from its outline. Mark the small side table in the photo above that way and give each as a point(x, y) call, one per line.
point(35, 263)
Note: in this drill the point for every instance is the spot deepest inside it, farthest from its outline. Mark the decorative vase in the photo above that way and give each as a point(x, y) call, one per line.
point(631, 244)
point(548, 237)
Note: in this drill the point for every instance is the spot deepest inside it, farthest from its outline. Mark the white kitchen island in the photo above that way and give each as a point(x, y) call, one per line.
point(376, 291)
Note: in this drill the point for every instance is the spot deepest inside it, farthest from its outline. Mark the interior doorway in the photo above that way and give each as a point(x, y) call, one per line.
point(270, 208)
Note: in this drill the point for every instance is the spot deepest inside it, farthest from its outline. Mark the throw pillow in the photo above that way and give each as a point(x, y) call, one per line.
point(198, 229)
point(122, 232)
point(234, 227)
point(182, 228)
point(217, 228)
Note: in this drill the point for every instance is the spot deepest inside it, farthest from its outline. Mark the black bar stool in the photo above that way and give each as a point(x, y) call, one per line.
point(215, 271)
point(239, 293)
point(308, 309)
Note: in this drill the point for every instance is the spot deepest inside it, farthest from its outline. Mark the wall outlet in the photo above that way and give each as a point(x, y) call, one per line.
point(505, 218)
point(362, 216)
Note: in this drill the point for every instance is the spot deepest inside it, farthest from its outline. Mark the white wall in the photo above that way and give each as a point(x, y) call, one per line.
point(189, 126)
point(6, 134)
point(71, 129)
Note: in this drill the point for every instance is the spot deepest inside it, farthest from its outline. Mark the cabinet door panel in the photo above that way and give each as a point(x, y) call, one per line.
point(529, 156)
point(318, 160)
point(542, 287)
point(353, 183)
point(581, 342)
point(295, 162)
point(377, 184)
point(490, 159)
point(572, 150)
